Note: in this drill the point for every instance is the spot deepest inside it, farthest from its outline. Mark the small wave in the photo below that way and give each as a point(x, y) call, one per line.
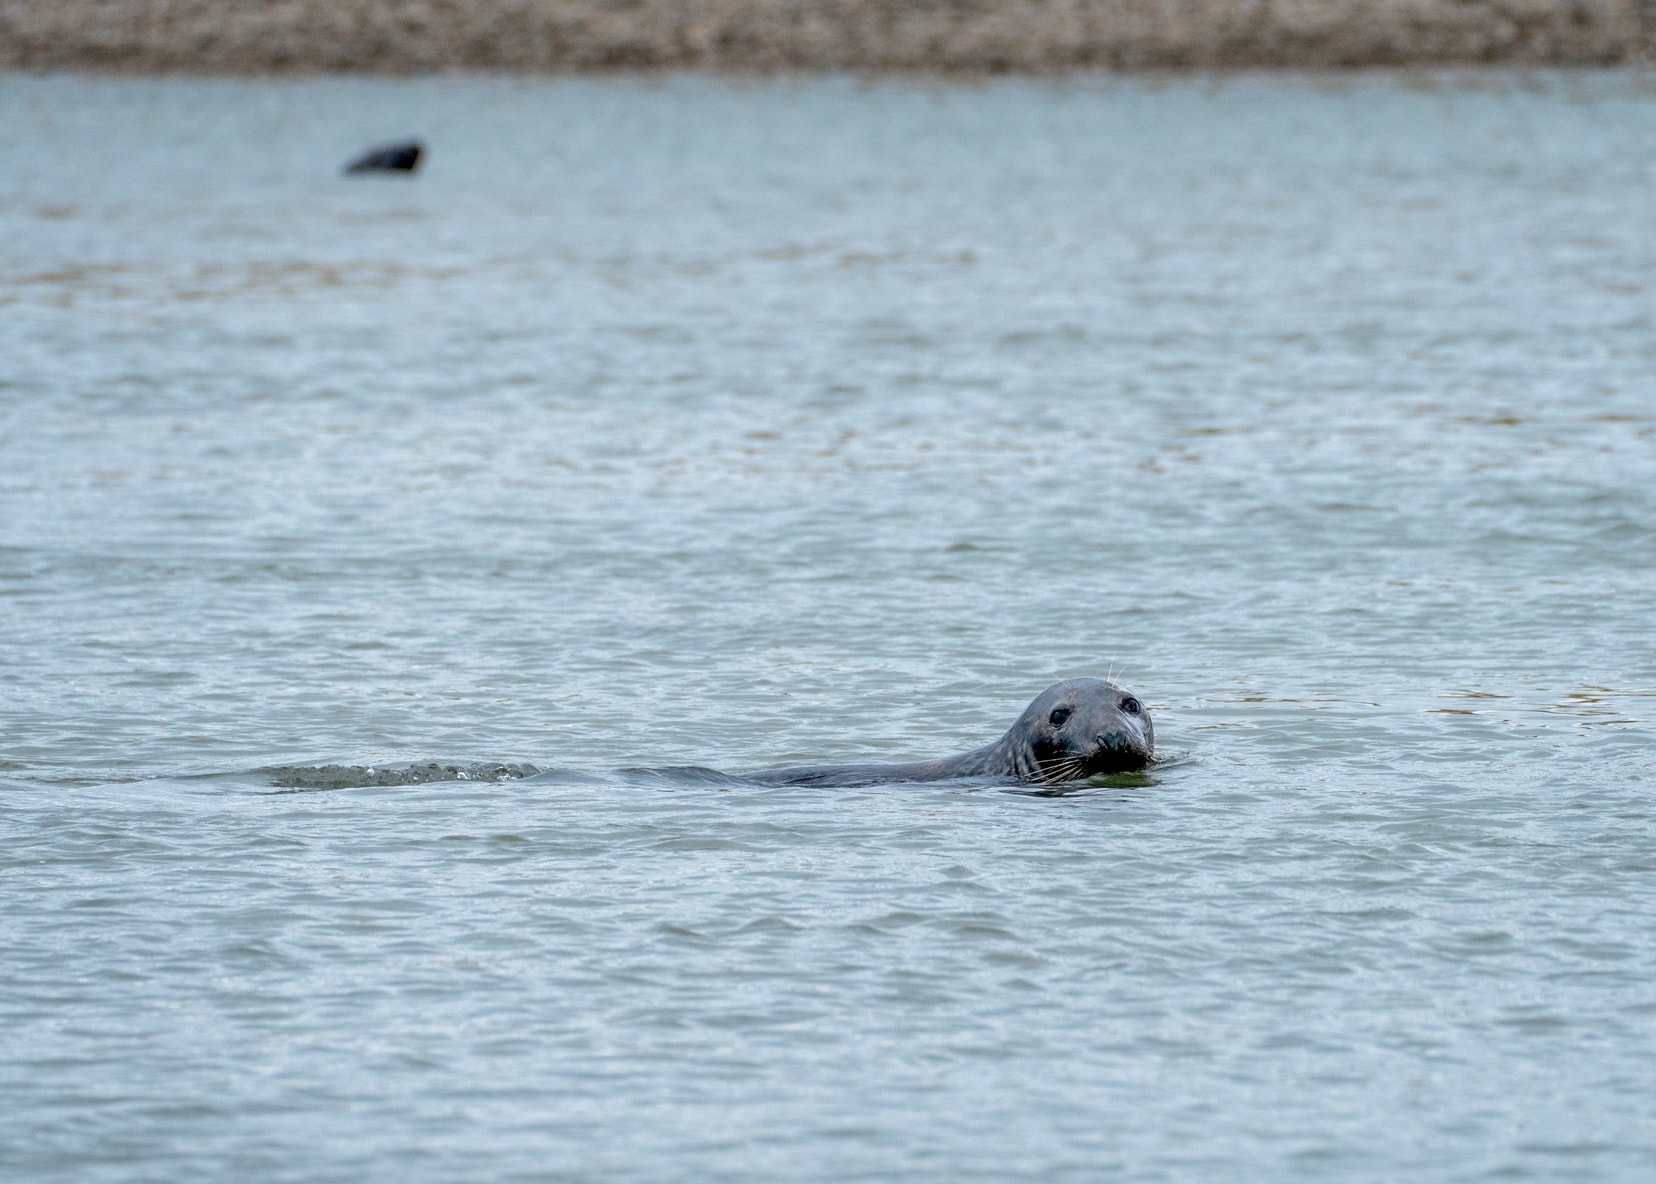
point(315, 777)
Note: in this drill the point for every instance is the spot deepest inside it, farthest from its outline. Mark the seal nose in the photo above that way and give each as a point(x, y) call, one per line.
point(1114, 741)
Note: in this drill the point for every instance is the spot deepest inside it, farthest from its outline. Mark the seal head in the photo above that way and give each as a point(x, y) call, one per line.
point(401, 157)
point(1082, 727)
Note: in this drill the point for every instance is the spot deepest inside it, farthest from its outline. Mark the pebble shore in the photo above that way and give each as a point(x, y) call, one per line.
point(964, 36)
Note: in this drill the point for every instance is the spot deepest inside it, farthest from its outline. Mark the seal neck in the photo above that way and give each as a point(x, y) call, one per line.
point(997, 759)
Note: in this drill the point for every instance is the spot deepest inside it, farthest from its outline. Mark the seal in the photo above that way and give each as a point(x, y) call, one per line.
point(401, 157)
point(1073, 730)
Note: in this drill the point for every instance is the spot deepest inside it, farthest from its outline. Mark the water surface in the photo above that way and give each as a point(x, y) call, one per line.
point(749, 423)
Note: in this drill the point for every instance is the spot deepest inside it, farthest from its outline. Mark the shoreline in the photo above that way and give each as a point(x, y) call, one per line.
point(928, 37)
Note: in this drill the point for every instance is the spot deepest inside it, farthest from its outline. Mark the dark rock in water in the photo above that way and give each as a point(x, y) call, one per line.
point(402, 157)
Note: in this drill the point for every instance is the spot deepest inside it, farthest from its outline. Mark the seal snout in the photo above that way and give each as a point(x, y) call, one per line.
point(1118, 741)
point(1119, 749)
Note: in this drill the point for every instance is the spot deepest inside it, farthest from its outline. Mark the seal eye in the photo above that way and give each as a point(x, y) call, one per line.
point(1057, 718)
point(1130, 705)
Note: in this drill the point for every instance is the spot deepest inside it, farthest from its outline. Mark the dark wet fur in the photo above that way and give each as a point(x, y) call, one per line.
point(1100, 734)
point(401, 157)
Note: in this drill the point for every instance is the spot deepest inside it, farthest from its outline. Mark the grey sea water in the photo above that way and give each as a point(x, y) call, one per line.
point(740, 423)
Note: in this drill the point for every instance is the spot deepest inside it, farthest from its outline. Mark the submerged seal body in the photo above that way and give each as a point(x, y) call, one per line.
point(1073, 730)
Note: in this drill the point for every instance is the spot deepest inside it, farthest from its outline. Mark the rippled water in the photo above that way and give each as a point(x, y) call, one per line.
point(746, 423)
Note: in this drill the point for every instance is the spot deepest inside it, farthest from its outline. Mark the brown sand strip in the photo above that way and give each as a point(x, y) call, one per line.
point(411, 36)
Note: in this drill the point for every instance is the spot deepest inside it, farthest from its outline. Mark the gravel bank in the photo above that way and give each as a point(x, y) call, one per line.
point(949, 35)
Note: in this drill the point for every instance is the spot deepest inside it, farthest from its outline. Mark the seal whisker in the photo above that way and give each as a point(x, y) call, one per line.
point(1064, 770)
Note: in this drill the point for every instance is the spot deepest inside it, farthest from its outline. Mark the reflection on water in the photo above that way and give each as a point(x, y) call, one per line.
point(743, 425)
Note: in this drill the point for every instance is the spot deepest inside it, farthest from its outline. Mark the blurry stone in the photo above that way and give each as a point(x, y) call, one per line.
point(401, 157)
